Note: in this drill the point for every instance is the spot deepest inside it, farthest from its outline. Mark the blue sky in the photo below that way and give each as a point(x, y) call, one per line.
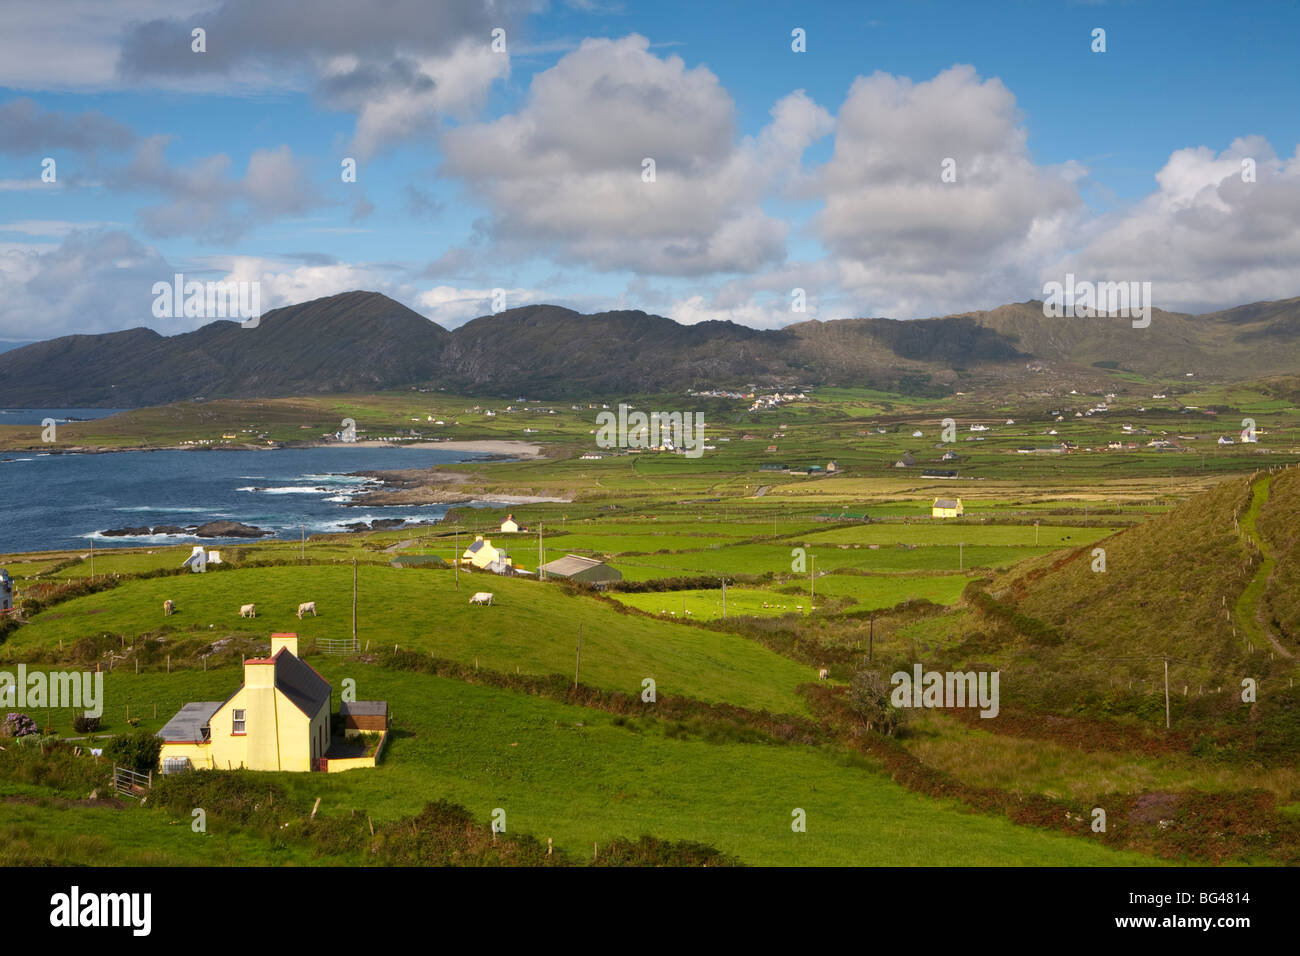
point(522, 170)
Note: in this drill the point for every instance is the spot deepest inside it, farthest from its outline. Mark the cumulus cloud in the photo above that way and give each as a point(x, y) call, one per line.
point(1206, 238)
point(904, 239)
point(203, 200)
point(93, 281)
point(564, 174)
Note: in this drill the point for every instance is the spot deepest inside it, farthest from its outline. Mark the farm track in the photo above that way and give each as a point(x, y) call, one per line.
point(1250, 609)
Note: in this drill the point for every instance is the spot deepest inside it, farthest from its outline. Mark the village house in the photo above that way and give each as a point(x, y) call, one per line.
point(946, 508)
point(481, 554)
point(510, 525)
point(278, 719)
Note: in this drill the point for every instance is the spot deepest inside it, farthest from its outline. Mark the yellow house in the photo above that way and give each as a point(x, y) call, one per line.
point(279, 719)
point(510, 525)
point(946, 508)
point(481, 554)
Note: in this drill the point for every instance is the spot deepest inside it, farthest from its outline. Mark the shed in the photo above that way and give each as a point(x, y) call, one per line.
point(574, 567)
point(364, 715)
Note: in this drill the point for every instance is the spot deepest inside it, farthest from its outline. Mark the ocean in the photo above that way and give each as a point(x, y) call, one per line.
point(50, 502)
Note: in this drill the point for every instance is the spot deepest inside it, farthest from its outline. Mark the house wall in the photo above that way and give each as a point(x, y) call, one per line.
point(199, 755)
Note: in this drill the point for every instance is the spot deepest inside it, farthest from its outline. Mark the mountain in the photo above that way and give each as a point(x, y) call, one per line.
point(363, 341)
point(356, 341)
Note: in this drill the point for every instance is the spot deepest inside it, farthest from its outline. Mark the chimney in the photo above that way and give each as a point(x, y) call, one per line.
point(288, 641)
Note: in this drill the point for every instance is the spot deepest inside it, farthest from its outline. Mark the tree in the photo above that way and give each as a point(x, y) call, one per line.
point(138, 751)
point(869, 698)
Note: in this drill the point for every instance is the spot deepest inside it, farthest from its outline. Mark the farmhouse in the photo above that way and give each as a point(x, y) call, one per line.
point(907, 461)
point(574, 567)
point(278, 719)
point(481, 554)
point(510, 525)
point(946, 508)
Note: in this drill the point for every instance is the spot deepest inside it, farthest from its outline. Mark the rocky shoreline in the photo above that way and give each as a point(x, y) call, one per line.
point(210, 529)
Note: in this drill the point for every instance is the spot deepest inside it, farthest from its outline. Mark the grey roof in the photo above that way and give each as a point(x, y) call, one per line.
point(298, 681)
point(946, 502)
point(476, 545)
point(364, 708)
point(189, 721)
point(570, 564)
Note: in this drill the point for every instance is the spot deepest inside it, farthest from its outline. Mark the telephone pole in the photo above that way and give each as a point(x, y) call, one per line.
point(354, 604)
point(455, 558)
point(541, 575)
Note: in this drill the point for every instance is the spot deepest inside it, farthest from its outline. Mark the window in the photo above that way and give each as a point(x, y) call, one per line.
point(237, 721)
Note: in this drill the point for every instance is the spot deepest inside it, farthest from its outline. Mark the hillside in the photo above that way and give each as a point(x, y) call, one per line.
point(360, 341)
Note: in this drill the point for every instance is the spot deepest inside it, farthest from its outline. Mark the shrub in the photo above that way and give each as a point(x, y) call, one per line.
point(138, 751)
point(18, 725)
point(85, 724)
point(869, 699)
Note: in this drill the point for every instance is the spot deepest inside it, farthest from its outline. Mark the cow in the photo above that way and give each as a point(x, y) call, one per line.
point(248, 610)
point(168, 607)
point(482, 597)
point(304, 608)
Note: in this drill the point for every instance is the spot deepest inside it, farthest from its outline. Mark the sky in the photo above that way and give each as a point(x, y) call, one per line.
point(810, 160)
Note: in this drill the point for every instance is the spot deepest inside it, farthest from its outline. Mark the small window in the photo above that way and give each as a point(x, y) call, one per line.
point(237, 721)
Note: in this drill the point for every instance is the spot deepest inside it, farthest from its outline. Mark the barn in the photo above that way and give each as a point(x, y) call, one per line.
point(574, 567)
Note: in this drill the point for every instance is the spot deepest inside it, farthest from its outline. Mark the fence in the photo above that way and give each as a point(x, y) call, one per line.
point(131, 784)
point(345, 645)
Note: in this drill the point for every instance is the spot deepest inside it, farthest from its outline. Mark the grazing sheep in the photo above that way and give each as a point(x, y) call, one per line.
point(168, 607)
point(248, 610)
point(482, 597)
point(823, 674)
point(304, 608)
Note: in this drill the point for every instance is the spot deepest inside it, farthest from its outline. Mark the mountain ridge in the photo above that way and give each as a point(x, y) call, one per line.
point(365, 341)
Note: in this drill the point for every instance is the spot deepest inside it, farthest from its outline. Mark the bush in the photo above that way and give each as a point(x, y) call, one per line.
point(869, 699)
point(138, 751)
point(85, 724)
point(18, 725)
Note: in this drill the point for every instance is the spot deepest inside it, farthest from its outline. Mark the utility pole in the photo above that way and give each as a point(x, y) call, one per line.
point(871, 639)
point(92, 559)
point(455, 558)
point(1166, 693)
point(812, 579)
point(724, 598)
point(541, 554)
point(1036, 531)
point(960, 565)
point(304, 542)
point(354, 604)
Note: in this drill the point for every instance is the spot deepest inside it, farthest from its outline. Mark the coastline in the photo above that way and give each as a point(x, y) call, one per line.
point(504, 448)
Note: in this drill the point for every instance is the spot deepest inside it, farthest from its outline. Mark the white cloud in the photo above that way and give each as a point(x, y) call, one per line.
point(563, 175)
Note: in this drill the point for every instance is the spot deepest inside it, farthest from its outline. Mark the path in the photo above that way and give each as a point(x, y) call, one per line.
point(1249, 609)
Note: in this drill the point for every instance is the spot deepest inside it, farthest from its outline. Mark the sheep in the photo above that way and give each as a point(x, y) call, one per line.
point(168, 607)
point(481, 597)
point(248, 610)
point(304, 608)
point(823, 674)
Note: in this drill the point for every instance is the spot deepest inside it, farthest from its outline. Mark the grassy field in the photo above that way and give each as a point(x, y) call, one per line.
point(1011, 586)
